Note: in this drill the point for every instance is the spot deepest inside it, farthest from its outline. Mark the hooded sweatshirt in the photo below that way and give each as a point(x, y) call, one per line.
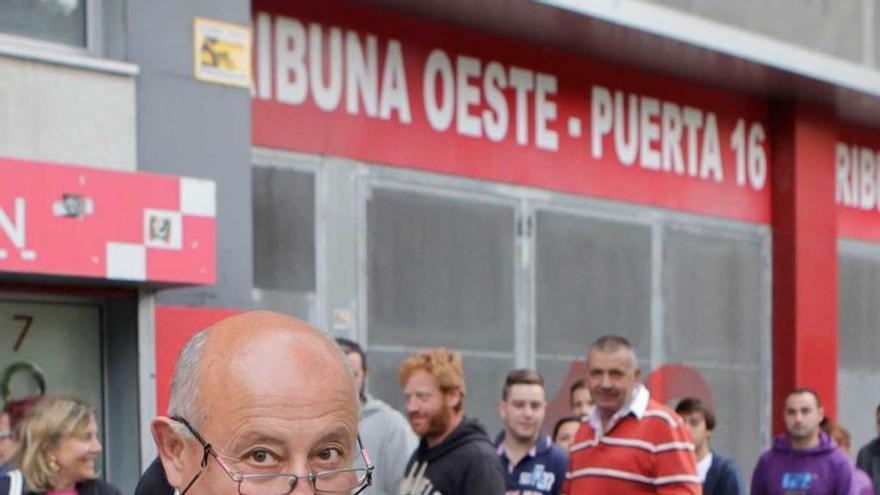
point(464, 463)
point(820, 470)
point(390, 442)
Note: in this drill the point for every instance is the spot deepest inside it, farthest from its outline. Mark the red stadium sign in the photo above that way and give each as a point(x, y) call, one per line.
point(360, 82)
point(857, 191)
point(94, 223)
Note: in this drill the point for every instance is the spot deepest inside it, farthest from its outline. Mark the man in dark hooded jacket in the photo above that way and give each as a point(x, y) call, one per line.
point(455, 455)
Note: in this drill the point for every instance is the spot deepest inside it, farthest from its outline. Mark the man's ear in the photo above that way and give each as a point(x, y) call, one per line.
point(456, 399)
point(173, 451)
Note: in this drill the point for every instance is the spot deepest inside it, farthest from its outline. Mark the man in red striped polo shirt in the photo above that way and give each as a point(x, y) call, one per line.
point(629, 444)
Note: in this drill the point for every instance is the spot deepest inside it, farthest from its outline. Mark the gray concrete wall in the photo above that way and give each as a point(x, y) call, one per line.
point(833, 27)
point(59, 113)
point(189, 127)
point(122, 421)
point(113, 29)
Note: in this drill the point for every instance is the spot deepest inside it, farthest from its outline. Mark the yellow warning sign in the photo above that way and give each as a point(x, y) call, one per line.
point(222, 52)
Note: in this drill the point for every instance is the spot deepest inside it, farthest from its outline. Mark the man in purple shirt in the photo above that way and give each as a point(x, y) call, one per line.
point(804, 460)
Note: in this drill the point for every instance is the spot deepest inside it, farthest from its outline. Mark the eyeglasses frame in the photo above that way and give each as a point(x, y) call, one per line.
point(240, 478)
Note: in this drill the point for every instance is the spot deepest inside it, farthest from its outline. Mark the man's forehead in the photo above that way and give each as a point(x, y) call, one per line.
point(800, 401)
point(285, 365)
point(354, 358)
point(300, 428)
point(526, 391)
point(607, 359)
point(421, 380)
point(693, 416)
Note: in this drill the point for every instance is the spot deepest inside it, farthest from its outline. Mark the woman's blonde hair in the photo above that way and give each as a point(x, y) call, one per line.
point(46, 424)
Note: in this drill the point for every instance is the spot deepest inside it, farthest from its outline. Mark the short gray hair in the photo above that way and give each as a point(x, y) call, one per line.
point(185, 395)
point(614, 343)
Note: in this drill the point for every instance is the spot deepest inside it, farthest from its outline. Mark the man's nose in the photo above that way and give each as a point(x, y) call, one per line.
point(302, 487)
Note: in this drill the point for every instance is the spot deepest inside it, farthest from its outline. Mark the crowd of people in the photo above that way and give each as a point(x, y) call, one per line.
point(264, 404)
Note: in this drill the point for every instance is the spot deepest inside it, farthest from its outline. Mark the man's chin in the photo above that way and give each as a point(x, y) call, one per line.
point(525, 437)
point(609, 408)
point(799, 434)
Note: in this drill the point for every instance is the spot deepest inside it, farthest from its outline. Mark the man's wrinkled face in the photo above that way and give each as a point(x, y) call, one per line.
point(581, 402)
point(802, 415)
point(274, 411)
point(612, 377)
point(696, 425)
point(427, 407)
point(523, 411)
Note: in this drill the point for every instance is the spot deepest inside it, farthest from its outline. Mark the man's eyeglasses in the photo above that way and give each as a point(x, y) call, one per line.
point(335, 481)
point(5, 435)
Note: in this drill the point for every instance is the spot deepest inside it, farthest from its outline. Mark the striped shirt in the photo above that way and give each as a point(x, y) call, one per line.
point(645, 450)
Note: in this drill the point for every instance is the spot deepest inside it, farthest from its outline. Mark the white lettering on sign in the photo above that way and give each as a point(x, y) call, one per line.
point(653, 132)
point(439, 114)
point(495, 120)
point(321, 62)
point(454, 92)
point(15, 229)
point(364, 74)
point(857, 181)
point(753, 154)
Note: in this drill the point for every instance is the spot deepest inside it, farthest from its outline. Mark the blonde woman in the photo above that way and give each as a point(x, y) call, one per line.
point(58, 449)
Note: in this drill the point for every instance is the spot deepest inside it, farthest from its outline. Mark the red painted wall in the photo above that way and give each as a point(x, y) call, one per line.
point(174, 327)
point(804, 256)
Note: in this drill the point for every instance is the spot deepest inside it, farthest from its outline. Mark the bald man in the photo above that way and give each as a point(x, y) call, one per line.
point(260, 404)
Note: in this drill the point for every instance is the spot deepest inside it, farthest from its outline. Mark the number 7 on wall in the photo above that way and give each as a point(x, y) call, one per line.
point(27, 319)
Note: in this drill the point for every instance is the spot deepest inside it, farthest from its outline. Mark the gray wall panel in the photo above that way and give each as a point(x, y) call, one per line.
point(858, 320)
point(875, 57)
point(73, 116)
point(833, 27)
point(122, 419)
point(188, 127)
point(113, 23)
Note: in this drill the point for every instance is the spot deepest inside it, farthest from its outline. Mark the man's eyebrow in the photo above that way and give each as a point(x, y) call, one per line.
point(257, 437)
point(339, 434)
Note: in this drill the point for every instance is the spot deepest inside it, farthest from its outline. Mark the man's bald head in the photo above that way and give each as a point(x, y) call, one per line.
point(248, 348)
point(269, 393)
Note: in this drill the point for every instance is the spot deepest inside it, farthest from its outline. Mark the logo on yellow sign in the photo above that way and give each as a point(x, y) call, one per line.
point(222, 52)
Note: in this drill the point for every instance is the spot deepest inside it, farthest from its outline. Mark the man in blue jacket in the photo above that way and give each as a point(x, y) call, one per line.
point(718, 474)
point(534, 464)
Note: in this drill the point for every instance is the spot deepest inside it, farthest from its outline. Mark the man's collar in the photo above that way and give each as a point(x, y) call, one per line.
point(639, 402)
point(542, 444)
point(636, 405)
